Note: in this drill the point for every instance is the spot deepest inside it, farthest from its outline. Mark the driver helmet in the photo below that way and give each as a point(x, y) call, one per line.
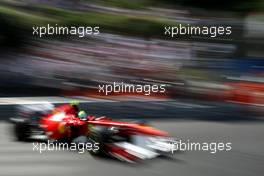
point(82, 115)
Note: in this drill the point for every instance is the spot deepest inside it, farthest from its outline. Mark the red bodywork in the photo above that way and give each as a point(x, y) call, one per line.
point(63, 122)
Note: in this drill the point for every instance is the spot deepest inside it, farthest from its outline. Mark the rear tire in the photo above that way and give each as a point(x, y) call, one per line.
point(22, 131)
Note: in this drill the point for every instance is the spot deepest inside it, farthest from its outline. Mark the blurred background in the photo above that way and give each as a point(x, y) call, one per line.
point(207, 78)
point(132, 48)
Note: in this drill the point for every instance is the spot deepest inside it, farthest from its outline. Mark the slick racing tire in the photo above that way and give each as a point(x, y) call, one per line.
point(96, 138)
point(22, 131)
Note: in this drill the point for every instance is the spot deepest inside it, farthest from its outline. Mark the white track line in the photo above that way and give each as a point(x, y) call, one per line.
point(51, 99)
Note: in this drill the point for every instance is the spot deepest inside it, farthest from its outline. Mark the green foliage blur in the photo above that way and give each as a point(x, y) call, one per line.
point(17, 20)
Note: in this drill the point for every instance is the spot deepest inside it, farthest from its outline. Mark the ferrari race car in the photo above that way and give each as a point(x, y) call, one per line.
point(125, 140)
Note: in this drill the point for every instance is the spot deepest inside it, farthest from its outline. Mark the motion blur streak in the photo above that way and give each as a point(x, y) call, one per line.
point(217, 79)
point(246, 159)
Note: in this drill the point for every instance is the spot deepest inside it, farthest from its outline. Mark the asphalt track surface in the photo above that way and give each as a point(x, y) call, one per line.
point(245, 159)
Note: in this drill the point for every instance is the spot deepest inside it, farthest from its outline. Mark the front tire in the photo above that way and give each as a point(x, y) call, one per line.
point(94, 138)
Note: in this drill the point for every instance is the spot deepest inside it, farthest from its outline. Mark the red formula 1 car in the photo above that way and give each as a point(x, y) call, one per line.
point(127, 141)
